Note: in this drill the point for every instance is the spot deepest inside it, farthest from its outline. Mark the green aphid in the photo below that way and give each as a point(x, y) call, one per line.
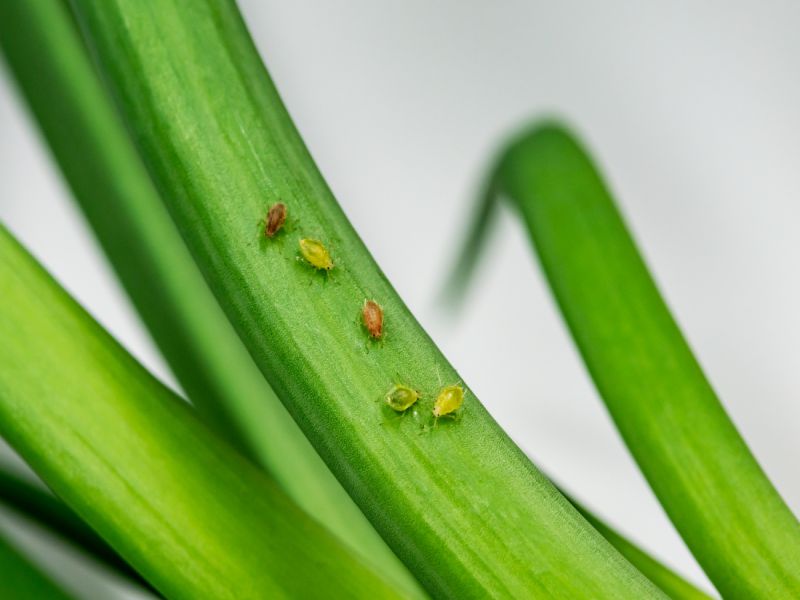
point(448, 401)
point(401, 398)
point(316, 254)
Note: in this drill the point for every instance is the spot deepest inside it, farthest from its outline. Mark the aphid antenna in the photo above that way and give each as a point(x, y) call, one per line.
point(394, 416)
point(458, 382)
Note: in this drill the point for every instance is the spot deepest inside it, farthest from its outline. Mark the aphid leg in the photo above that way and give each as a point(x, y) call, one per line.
point(427, 426)
point(391, 417)
point(260, 235)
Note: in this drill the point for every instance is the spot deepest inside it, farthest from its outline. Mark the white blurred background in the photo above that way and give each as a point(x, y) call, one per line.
point(691, 108)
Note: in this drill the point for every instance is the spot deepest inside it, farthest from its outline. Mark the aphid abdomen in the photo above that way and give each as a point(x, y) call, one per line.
point(401, 398)
point(276, 217)
point(448, 401)
point(315, 254)
point(372, 314)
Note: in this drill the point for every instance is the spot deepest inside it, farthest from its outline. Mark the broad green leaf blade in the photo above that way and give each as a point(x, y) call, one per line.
point(46, 510)
point(459, 502)
point(131, 458)
point(720, 500)
point(20, 580)
point(139, 237)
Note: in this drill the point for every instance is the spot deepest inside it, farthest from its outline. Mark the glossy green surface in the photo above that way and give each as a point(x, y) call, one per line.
point(20, 580)
point(673, 584)
point(114, 191)
point(460, 504)
point(46, 510)
point(134, 462)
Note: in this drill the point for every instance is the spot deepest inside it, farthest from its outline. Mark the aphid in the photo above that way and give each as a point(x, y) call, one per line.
point(448, 401)
point(276, 217)
point(373, 318)
point(316, 254)
point(401, 398)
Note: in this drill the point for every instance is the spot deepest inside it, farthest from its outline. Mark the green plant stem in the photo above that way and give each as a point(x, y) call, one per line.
point(675, 586)
point(670, 582)
point(115, 193)
point(132, 460)
point(46, 510)
point(459, 502)
point(719, 499)
point(20, 580)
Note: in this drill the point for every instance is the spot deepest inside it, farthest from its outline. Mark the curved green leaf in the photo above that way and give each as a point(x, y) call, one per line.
point(139, 237)
point(20, 580)
point(720, 500)
point(130, 457)
point(46, 510)
point(458, 502)
point(675, 586)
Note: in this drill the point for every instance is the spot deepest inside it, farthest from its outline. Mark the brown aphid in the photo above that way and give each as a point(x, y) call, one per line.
point(276, 217)
point(373, 318)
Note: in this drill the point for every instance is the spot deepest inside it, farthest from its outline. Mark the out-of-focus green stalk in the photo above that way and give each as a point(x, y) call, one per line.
point(46, 510)
point(721, 502)
point(115, 193)
point(20, 580)
point(459, 502)
point(135, 463)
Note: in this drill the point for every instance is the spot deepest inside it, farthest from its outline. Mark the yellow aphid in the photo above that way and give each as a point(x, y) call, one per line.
point(448, 401)
point(316, 254)
point(401, 398)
